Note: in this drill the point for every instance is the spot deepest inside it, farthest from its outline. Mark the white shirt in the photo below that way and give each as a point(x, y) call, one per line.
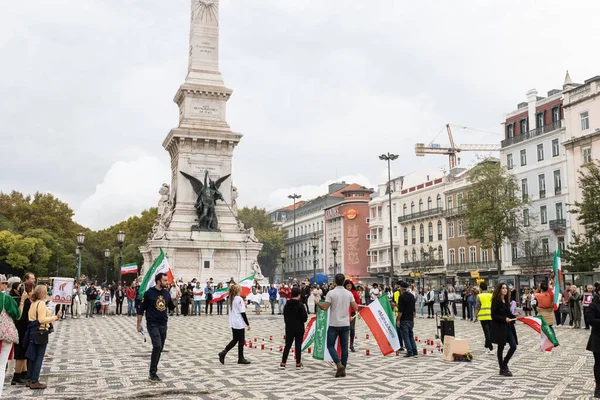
point(317, 294)
point(235, 314)
point(374, 293)
point(197, 291)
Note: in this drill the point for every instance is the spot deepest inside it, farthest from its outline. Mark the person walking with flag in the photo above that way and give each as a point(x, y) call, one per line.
point(238, 321)
point(339, 300)
point(592, 318)
point(154, 304)
point(294, 315)
point(502, 327)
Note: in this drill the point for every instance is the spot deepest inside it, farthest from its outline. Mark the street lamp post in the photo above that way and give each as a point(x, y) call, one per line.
point(282, 255)
point(390, 157)
point(334, 248)
point(315, 243)
point(120, 241)
point(106, 256)
point(294, 197)
point(80, 240)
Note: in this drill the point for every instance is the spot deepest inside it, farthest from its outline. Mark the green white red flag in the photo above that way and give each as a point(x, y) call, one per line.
point(548, 337)
point(556, 265)
point(309, 334)
point(223, 293)
point(161, 264)
point(220, 294)
point(320, 351)
point(129, 269)
point(379, 317)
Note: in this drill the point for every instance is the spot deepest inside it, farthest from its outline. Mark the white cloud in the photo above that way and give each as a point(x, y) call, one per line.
point(127, 188)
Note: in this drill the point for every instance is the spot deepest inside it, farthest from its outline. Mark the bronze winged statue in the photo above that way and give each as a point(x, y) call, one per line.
point(208, 193)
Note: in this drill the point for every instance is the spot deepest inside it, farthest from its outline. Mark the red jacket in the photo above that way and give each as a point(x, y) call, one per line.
point(130, 293)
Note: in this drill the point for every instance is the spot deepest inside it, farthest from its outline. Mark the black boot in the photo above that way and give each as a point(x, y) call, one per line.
point(17, 379)
point(597, 391)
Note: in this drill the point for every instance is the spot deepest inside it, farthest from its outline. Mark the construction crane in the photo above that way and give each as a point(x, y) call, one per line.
point(432, 148)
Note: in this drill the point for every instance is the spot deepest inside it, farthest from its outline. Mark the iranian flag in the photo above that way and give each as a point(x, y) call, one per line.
point(220, 294)
point(309, 334)
point(129, 269)
point(320, 337)
point(379, 317)
point(548, 338)
point(557, 277)
point(246, 285)
point(161, 264)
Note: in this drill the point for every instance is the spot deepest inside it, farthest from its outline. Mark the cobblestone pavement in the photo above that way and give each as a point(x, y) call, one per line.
point(105, 358)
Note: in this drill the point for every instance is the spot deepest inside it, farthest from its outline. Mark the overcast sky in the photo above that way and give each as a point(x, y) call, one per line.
point(321, 88)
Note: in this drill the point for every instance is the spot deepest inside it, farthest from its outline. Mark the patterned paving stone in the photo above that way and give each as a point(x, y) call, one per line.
point(105, 358)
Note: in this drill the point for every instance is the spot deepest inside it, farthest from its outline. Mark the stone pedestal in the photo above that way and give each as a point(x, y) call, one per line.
point(203, 141)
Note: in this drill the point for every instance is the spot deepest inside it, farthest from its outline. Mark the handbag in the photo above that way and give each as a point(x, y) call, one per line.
point(40, 336)
point(563, 308)
point(8, 330)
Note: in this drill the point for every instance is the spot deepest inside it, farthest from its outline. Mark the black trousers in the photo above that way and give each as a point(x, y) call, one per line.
point(238, 338)
point(485, 325)
point(158, 336)
point(291, 337)
point(208, 304)
point(119, 309)
point(511, 340)
point(430, 312)
point(597, 368)
point(464, 309)
point(305, 303)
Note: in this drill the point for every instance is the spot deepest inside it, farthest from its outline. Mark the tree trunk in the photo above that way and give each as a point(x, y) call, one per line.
point(498, 261)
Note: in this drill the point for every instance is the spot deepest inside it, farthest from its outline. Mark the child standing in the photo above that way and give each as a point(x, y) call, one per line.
point(294, 315)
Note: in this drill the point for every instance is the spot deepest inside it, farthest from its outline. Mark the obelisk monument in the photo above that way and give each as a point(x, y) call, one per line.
point(203, 141)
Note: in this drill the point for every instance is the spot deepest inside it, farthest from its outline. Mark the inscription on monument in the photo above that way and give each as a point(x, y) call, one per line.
point(205, 109)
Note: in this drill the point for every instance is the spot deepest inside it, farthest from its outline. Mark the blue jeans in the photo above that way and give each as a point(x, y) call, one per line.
point(220, 307)
point(131, 307)
point(470, 311)
point(406, 327)
point(333, 332)
point(197, 307)
point(282, 301)
point(34, 367)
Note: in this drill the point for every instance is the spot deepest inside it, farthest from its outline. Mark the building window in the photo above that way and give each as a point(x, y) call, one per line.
point(586, 154)
point(559, 211)
point(585, 121)
point(452, 256)
point(472, 255)
point(404, 210)
point(430, 231)
point(543, 215)
point(405, 236)
point(451, 229)
point(461, 255)
point(545, 247)
point(540, 152)
point(555, 148)
point(561, 243)
point(461, 231)
point(395, 231)
point(439, 229)
point(412, 207)
point(557, 182)
point(413, 235)
point(524, 190)
point(524, 126)
point(394, 208)
point(484, 255)
point(422, 233)
point(523, 157)
point(515, 251)
point(526, 217)
point(440, 254)
point(510, 131)
point(420, 205)
point(556, 114)
point(542, 185)
point(449, 201)
point(406, 256)
point(459, 198)
point(540, 120)
point(509, 161)
point(429, 203)
point(414, 255)
point(439, 201)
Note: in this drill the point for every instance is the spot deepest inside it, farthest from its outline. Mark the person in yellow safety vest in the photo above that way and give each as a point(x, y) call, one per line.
point(395, 299)
point(483, 308)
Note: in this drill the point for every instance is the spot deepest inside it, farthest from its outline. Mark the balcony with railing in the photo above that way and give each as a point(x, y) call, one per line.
point(455, 212)
point(558, 225)
point(467, 267)
point(300, 238)
point(421, 214)
point(533, 260)
point(532, 133)
point(422, 266)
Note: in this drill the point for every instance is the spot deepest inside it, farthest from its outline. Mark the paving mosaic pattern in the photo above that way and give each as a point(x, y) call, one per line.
point(105, 358)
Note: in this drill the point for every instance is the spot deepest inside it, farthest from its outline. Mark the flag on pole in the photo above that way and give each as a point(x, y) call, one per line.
point(557, 277)
point(380, 319)
point(548, 337)
point(161, 264)
point(246, 285)
point(309, 334)
point(129, 269)
point(220, 294)
point(320, 337)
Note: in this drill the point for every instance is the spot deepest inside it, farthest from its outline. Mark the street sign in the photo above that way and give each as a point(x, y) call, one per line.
point(474, 274)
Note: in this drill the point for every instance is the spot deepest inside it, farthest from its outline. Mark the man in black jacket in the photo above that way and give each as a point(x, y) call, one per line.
point(294, 315)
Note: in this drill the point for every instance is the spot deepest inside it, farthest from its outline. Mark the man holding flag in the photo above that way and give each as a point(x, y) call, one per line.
point(339, 300)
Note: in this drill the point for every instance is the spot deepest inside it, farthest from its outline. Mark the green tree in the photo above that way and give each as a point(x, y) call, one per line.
point(583, 253)
point(24, 252)
point(270, 237)
point(493, 211)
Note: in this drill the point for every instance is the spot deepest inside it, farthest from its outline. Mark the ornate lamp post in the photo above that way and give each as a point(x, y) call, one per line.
point(79, 250)
point(334, 247)
point(282, 255)
point(294, 197)
point(315, 243)
point(390, 157)
point(120, 241)
point(106, 256)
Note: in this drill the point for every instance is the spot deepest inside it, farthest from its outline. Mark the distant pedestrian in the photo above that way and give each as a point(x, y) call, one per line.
point(208, 296)
point(503, 327)
point(154, 304)
point(587, 299)
point(349, 286)
point(318, 294)
point(220, 302)
point(91, 294)
point(284, 291)
point(9, 335)
point(406, 320)
point(430, 300)
point(443, 297)
point(185, 301)
point(294, 315)
point(238, 321)
point(484, 314)
point(119, 298)
point(575, 305)
point(130, 294)
point(272, 297)
point(452, 297)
